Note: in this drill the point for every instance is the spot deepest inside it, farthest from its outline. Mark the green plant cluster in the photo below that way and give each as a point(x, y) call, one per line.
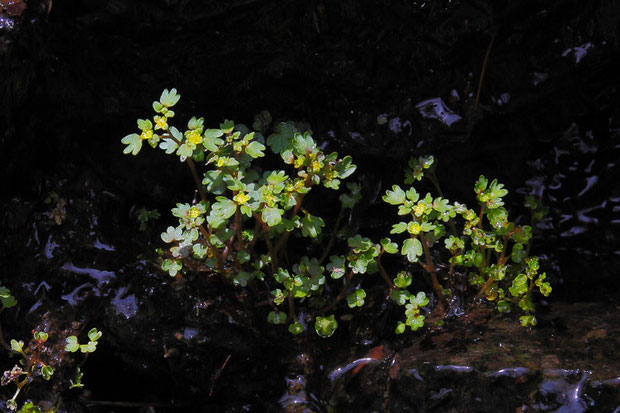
point(489, 248)
point(37, 357)
point(246, 216)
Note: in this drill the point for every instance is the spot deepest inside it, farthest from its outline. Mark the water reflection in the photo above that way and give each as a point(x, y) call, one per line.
point(436, 109)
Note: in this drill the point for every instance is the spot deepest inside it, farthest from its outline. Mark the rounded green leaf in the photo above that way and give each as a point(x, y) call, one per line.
point(296, 328)
point(356, 299)
point(94, 334)
point(276, 317)
point(403, 279)
point(412, 248)
point(325, 326)
point(72, 344)
point(46, 372)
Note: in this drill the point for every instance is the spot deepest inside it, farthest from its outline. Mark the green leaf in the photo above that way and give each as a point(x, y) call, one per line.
point(311, 225)
point(503, 306)
point(281, 139)
point(359, 243)
point(399, 228)
point(255, 149)
point(94, 334)
point(412, 248)
point(303, 144)
point(519, 285)
point(185, 151)
point(296, 328)
point(325, 326)
point(169, 98)
point(8, 302)
point(518, 253)
point(224, 208)
point(171, 266)
point(28, 407)
point(527, 320)
point(394, 197)
point(389, 246)
point(211, 139)
point(419, 300)
point(195, 123)
point(400, 327)
point(348, 200)
point(17, 346)
point(133, 142)
point(228, 126)
point(345, 167)
point(276, 317)
point(78, 379)
point(272, 216)
point(400, 297)
point(276, 177)
point(40, 336)
point(72, 344)
point(88, 348)
point(481, 185)
point(145, 124)
point(242, 278)
point(403, 279)
point(47, 372)
point(336, 266)
point(158, 107)
point(356, 299)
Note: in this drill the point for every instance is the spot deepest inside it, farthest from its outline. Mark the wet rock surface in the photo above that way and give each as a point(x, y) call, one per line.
point(379, 81)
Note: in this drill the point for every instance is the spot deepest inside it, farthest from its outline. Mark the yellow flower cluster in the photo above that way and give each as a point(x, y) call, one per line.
point(241, 198)
point(146, 134)
point(194, 137)
point(194, 212)
point(414, 228)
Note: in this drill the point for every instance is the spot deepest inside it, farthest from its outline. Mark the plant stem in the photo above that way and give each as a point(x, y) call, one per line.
point(272, 252)
point(300, 198)
point(291, 308)
point(483, 70)
point(332, 238)
point(218, 257)
point(383, 272)
point(192, 167)
point(340, 295)
point(430, 267)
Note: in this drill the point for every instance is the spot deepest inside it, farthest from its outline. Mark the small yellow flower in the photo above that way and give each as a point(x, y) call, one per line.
point(194, 137)
point(316, 166)
point(419, 209)
point(299, 162)
point(161, 122)
point(241, 198)
point(270, 200)
point(414, 228)
point(194, 212)
point(146, 134)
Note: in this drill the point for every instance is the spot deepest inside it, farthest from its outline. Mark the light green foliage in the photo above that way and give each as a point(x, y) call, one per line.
point(73, 345)
point(30, 407)
point(35, 363)
point(490, 248)
point(6, 299)
point(325, 326)
point(246, 216)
